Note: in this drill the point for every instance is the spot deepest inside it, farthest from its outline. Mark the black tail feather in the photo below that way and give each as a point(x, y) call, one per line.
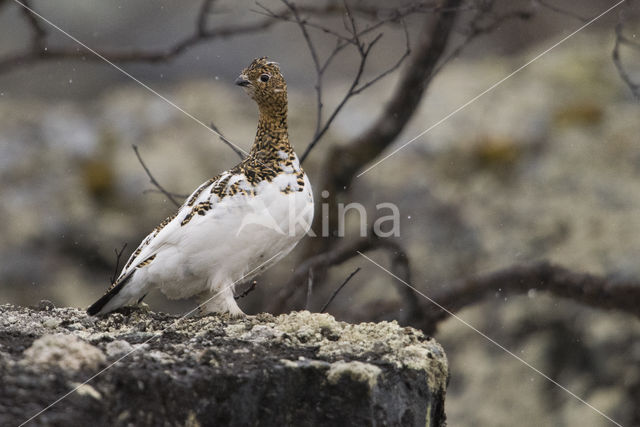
point(112, 292)
point(141, 298)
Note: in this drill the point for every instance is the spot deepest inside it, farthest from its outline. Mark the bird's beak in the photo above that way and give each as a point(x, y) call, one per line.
point(242, 80)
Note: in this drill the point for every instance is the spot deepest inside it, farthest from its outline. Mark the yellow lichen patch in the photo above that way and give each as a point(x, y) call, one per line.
point(303, 320)
point(403, 347)
point(423, 359)
point(585, 113)
point(497, 151)
point(98, 177)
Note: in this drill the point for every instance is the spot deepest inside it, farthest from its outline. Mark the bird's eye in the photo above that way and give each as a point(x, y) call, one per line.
point(264, 78)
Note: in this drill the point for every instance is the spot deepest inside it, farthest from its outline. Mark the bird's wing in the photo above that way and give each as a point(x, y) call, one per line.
point(168, 231)
point(171, 231)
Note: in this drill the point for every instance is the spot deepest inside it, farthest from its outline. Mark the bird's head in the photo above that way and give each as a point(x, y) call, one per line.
point(264, 83)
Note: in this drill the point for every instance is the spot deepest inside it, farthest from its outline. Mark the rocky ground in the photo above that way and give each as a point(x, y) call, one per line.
point(155, 369)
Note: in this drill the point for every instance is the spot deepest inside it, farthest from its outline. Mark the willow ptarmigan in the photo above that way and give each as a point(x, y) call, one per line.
point(234, 225)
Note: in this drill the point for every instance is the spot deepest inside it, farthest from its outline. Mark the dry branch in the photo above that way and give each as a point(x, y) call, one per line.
point(348, 159)
point(561, 11)
point(622, 40)
point(591, 290)
point(285, 299)
point(226, 141)
point(116, 269)
point(484, 21)
point(343, 162)
point(36, 51)
point(354, 37)
point(337, 291)
point(154, 182)
point(40, 50)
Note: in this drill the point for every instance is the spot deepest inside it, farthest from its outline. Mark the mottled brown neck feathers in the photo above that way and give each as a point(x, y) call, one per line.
point(272, 134)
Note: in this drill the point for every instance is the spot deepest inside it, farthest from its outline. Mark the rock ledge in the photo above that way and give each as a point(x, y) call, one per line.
point(296, 369)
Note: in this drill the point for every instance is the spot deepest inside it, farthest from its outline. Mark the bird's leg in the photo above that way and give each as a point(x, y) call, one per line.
point(221, 301)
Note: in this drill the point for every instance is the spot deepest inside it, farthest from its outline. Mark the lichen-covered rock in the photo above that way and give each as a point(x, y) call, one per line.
point(67, 352)
point(296, 369)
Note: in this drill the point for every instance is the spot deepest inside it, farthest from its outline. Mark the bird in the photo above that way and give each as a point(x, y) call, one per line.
point(233, 226)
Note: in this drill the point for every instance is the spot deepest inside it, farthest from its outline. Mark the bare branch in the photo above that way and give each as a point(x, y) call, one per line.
point(201, 20)
point(353, 38)
point(351, 26)
point(117, 267)
point(200, 35)
point(343, 161)
point(156, 191)
point(321, 262)
point(309, 288)
point(356, 87)
point(399, 266)
point(282, 301)
point(621, 40)
point(323, 129)
point(476, 29)
point(333, 295)
point(561, 11)
point(591, 290)
point(226, 141)
point(316, 63)
point(391, 69)
point(152, 178)
point(38, 33)
point(400, 108)
point(381, 15)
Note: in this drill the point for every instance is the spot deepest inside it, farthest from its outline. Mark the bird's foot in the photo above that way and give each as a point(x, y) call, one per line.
point(222, 306)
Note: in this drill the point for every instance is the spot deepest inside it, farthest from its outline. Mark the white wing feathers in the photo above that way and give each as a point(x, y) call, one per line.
point(169, 231)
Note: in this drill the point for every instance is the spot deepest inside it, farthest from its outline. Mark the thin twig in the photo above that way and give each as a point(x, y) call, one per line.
point(561, 11)
point(152, 178)
point(342, 40)
point(201, 19)
point(201, 34)
point(595, 291)
point(284, 299)
point(227, 142)
point(356, 87)
point(324, 307)
point(117, 268)
point(316, 62)
point(353, 38)
point(391, 69)
point(351, 27)
point(38, 33)
point(337, 49)
point(391, 15)
point(343, 161)
point(156, 191)
point(309, 289)
point(617, 60)
point(476, 29)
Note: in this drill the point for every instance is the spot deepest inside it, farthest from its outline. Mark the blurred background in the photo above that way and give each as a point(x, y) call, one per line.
point(544, 167)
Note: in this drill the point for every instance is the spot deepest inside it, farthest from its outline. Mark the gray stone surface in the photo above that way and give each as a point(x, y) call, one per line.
point(296, 369)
